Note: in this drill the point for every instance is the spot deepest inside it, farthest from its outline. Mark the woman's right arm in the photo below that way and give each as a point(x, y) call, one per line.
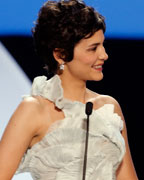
point(22, 127)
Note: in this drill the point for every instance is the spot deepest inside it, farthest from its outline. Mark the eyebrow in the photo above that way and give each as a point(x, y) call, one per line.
point(95, 44)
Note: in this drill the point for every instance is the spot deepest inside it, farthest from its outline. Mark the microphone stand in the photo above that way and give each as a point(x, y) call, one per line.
point(89, 107)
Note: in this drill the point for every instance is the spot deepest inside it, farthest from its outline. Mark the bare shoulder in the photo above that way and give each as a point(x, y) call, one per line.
point(30, 104)
point(27, 116)
point(99, 100)
point(22, 127)
point(106, 99)
point(31, 110)
point(29, 107)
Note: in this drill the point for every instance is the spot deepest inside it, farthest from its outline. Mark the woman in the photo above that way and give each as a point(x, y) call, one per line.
point(49, 125)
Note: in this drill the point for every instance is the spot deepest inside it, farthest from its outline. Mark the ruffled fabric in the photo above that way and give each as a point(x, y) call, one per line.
point(59, 155)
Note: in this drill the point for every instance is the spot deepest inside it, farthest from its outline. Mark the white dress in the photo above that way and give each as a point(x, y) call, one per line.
point(59, 155)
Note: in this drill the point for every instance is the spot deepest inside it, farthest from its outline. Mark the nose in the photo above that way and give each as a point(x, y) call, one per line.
point(103, 55)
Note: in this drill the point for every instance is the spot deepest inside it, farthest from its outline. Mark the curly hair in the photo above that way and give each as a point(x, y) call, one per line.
point(62, 25)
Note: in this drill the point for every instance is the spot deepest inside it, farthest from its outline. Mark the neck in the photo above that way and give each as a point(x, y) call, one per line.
point(73, 88)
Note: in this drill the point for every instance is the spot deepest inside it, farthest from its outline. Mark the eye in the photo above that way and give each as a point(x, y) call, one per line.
point(94, 49)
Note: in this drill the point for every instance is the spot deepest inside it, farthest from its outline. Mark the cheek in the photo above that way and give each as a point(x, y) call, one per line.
point(85, 59)
point(80, 66)
point(89, 61)
point(81, 56)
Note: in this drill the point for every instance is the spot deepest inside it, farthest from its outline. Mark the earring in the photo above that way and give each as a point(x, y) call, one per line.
point(61, 67)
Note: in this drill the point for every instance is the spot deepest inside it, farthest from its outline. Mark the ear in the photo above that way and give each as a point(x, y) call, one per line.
point(57, 54)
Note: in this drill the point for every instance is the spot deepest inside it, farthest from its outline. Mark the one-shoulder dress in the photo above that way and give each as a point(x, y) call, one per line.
point(60, 154)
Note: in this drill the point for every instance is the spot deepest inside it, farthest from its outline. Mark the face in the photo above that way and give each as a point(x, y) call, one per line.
point(89, 56)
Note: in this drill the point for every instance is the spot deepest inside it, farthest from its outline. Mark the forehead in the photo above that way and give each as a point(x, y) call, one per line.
point(97, 37)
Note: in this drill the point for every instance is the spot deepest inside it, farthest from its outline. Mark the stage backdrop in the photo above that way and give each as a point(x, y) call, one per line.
point(124, 18)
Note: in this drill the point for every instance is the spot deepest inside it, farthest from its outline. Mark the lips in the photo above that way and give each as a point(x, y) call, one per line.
point(97, 67)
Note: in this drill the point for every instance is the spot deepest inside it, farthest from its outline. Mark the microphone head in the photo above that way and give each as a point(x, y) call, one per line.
point(89, 107)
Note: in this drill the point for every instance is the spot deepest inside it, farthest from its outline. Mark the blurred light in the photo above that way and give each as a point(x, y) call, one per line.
point(14, 84)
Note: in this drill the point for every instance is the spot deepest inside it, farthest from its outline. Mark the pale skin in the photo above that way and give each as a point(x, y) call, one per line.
point(33, 117)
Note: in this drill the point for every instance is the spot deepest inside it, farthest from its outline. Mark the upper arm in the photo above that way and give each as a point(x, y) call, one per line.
point(22, 126)
point(126, 170)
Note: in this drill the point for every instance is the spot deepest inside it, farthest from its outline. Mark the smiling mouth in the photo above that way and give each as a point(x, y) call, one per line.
point(98, 67)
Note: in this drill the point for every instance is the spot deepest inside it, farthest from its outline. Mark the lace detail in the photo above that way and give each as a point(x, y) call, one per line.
point(59, 155)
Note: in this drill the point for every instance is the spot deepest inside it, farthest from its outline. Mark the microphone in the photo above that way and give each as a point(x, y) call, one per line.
point(88, 111)
point(89, 107)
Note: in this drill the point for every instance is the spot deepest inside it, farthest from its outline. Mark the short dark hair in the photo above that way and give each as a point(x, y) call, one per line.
point(62, 25)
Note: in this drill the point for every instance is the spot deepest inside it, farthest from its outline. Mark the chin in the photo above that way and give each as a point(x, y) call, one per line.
point(98, 77)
